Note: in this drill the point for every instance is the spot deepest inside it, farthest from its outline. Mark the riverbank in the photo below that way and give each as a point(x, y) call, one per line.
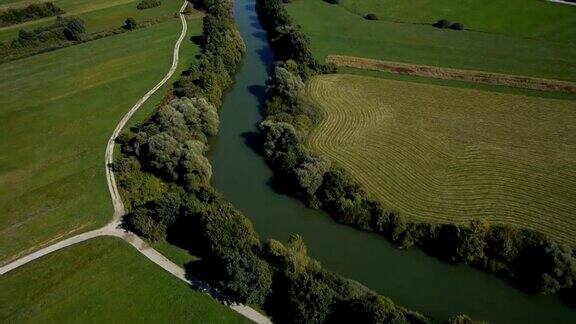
point(242, 176)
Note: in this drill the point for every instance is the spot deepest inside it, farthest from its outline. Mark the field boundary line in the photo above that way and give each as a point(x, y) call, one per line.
point(493, 78)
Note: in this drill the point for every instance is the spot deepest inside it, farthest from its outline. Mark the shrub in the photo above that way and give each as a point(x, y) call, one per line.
point(371, 16)
point(130, 24)
point(332, 1)
point(146, 4)
point(442, 23)
point(456, 26)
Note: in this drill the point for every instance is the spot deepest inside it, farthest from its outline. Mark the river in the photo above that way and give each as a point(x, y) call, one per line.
point(410, 278)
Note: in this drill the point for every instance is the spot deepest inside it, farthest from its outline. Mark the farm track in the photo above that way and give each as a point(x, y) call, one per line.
point(440, 158)
point(113, 228)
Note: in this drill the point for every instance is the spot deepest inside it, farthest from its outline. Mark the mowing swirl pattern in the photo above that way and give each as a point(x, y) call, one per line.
point(445, 154)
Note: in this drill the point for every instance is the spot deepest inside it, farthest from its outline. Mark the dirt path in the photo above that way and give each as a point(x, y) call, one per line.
point(113, 228)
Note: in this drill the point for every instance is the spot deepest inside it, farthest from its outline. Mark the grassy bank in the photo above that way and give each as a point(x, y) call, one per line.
point(335, 30)
point(103, 280)
point(57, 111)
point(452, 154)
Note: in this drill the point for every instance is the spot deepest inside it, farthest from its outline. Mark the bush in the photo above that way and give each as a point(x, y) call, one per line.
point(332, 1)
point(371, 16)
point(456, 26)
point(442, 23)
point(146, 4)
point(130, 24)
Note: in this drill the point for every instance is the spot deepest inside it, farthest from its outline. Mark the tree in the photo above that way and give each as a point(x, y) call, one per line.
point(164, 154)
point(371, 16)
point(473, 241)
point(74, 28)
point(370, 308)
point(285, 85)
point(310, 175)
point(130, 24)
point(456, 26)
point(196, 169)
point(442, 23)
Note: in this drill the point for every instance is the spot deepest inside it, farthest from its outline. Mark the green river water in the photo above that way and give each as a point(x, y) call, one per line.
point(410, 277)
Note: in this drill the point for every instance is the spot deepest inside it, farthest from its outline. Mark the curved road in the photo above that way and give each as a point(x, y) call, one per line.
point(113, 228)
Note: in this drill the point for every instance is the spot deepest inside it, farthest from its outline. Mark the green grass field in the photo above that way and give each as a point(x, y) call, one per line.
point(334, 30)
point(57, 111)
point(445, 154)
point(99, 15)
point(518, 18)
point(103, 280)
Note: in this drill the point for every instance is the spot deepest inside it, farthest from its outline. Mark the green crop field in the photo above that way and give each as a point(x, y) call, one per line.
point(57, 111)
point(335, 30)
point(519, 18)
point(444, 154)
point(99, 15)
point(100, 281)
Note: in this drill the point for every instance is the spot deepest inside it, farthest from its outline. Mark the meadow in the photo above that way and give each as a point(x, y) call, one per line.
point(333, 29)
point(517, 18)
point(445, 154)
point(57, 111)
point(103, 280)
point(99, 15)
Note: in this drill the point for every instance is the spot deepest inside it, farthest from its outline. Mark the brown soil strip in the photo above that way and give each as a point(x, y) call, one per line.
point(508, 80)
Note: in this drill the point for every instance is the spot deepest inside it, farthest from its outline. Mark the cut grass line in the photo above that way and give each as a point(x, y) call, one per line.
point(441, 154)
point(508, 80)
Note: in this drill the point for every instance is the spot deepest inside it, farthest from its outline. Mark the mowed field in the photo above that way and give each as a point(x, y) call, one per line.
point(333, 29)
point(98, 15)
point(57, 111)
point(443, 154)
point(518, 18)
point(104, 280)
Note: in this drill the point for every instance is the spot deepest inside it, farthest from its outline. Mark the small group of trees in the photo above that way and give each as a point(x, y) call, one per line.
point(147, 4)
point(172, 144)
point(62, 30)
point(445, 24)
point(31, 12)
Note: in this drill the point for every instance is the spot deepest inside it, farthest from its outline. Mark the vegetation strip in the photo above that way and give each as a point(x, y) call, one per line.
point(526, 258)
point(508, 80)
point(31, 12)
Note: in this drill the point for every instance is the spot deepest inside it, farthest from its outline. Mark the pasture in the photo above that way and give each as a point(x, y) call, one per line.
point(537, 19)
point(445, 154)
point(103, 280)
point(57, 111)
point(334, 30)
point(99, 15)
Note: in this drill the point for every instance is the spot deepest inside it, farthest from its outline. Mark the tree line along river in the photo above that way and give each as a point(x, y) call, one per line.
point(409, 277)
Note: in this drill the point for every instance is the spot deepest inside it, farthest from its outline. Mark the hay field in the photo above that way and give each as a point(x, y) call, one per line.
point(444, 154)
